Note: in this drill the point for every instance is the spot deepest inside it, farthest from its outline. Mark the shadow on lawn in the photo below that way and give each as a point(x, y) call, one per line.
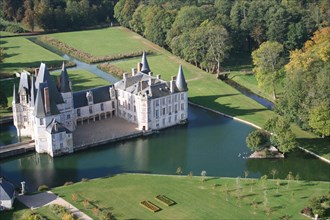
point(210, 102)
point(320, 146)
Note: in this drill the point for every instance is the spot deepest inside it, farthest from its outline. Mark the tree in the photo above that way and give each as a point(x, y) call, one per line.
point(203, 174)
point(319, 119)
point(219, 45)
point(3, 99)
point(267, 64)
point(28, 19)
point(256, 140)
point(273, 172)
point(282, 136)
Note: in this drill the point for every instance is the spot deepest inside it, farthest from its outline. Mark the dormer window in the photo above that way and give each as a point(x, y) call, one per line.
point(89, 96)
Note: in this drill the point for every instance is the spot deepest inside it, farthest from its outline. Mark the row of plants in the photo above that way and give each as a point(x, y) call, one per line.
point(101, 213)
point(110, 68)
point(61, 212)
point(84, 56)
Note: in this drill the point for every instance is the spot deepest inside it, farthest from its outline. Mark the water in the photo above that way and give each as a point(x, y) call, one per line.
point(250, 94)
point(8, 135)
point(209, 142)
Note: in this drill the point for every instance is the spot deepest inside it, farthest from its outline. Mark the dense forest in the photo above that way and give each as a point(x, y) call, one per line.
point(56, 15)
point(289, 40)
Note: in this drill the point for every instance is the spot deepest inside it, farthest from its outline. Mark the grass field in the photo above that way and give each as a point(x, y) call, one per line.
point(249, 81)
point(81, 80)
point(108, 41)
point(195, 199)
point(20, 53)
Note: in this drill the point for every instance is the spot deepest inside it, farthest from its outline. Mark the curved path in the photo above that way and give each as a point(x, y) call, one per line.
point(47, 198)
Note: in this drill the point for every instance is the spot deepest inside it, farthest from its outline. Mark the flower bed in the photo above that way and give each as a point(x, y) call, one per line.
point(165, 200)
point(150, 206)
point(84, 56)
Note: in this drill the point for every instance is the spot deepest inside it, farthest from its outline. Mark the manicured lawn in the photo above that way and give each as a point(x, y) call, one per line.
point(82, 79)
point(20, 53)
point(249, 81)
point(195, 199)
point(108, 41)
point(7, 88)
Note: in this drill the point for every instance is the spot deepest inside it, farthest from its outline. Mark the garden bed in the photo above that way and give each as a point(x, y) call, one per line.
point(165, 200)
point(150, 206)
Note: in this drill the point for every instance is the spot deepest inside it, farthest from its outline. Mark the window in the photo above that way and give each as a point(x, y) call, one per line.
point(169, 120)
point(175, 118)
point(134, 108)
point(90, 109)
point(157, 113)
point(182, 106)
point(61, 145)
point(169, 100)
point(113, 104)
point(68, 116)
point(163, 121)
point(163, 101)
point(182, 96)
point(175, 97)
point(41, 121)
point(78, 112)
point(176, 108)
point(157, 102)
point(129, 106)
point(102, 106)
point(164, 111)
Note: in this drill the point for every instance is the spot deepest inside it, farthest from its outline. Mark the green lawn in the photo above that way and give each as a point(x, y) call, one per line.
point(195, 199)
point(20, 53)
point(81, 80)
point(108, 41)
point(249, 81)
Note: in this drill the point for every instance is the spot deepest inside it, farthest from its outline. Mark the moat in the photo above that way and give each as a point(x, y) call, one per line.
point(208, 142)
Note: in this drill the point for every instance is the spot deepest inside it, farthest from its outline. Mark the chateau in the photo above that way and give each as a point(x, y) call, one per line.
point(49, 112)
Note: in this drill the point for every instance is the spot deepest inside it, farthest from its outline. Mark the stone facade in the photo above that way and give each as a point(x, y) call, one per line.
point(50, 112)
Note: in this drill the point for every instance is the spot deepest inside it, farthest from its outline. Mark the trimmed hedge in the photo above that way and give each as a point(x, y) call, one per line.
point(84, 56)
point(112, 69)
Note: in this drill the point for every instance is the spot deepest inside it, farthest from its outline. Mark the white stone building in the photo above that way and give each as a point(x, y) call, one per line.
point(49, 112)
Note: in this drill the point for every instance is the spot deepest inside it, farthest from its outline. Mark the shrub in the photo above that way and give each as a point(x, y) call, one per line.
point(68, 183)
point(30, 215)
point(43, 188)
point(256, 140)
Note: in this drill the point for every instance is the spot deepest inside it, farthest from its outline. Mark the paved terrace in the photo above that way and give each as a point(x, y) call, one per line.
point(104, 131)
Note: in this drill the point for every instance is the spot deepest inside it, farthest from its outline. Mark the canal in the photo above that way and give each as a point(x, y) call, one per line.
point(209, 142)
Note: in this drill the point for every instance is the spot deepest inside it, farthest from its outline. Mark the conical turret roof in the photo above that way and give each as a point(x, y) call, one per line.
point(64, 81)
point(181, 83)
point(145, 66)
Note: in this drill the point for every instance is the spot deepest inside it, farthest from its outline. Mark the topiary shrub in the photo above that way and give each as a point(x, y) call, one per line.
point(43, 188)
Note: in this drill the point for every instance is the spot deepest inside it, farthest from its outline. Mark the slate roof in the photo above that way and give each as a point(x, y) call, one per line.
point(100, 94)
point(139, 84)
point(32, 92)
point(24, 83)
point(7, 189)
point(145, 66)
point(64, 80)
point(56, 127)
point(39, 110)
point(44, 76)
point(15, 97)
point(180, 82)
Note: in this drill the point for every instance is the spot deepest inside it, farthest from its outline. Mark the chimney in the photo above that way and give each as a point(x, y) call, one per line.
point(158, 76)
point(36, 70)
point(141, 85)
point(56, 127)
point(46, 101)
point(172, 84)
point(150, 82)
point(139, 66)
point(23, 187)
point(150, 73)
point(125, 75)
point(133, 71)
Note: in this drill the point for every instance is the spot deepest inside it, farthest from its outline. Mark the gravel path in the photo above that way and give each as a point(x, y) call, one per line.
point(47, 198)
